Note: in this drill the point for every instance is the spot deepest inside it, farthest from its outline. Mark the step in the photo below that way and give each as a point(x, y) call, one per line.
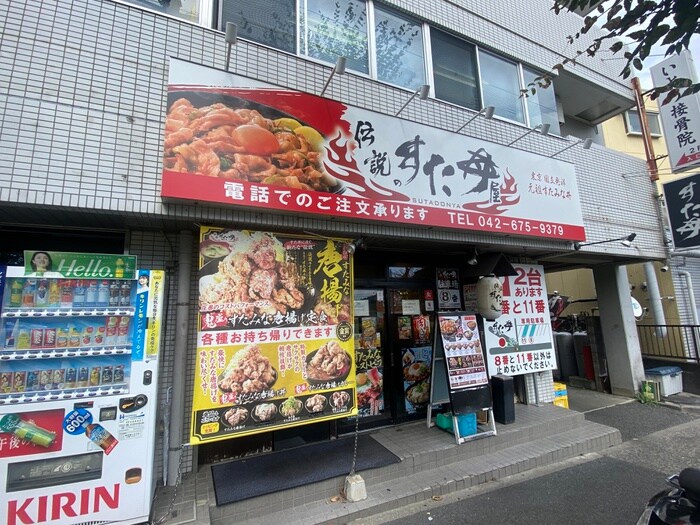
point(396, 492)
point(428, 452)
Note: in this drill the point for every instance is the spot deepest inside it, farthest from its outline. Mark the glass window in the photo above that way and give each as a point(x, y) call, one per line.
point(634, 124)
point(454, 70)
point(399, 50)
point(268, 22)
point(335, 29)
point(500, 84)
point(184, 9)
point(542, 106)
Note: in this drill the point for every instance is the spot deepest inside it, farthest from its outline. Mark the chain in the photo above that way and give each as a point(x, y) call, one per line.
point(178, 480)
point(357, 436)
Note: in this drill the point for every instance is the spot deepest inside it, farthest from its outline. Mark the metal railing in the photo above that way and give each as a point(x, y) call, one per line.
point(670, 341)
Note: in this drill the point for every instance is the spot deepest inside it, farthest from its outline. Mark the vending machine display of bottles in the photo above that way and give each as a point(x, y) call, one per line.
point(79, 351)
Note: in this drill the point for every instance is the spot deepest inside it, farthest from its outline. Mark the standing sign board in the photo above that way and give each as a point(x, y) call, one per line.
point(680, 118)
point(520, 340)
point(459, 344)
point(683, 207)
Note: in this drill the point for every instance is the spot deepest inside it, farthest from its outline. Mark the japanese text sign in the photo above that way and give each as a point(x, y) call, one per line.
point(683, 206)
point(520, 341)
point(275, 341)
point(681, 118)
point(232, 140)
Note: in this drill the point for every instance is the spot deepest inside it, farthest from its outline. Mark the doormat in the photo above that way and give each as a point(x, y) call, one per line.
point(249, 477)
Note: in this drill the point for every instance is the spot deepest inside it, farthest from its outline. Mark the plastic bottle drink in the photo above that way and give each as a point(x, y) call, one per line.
point(54, 293)
point(66, 293)
point(103, 294)
point(79, 294)
point(101, 437)
point(28, 293)
point(27, 431)
point(41, 297)
point(91, 294)
point(16, 293)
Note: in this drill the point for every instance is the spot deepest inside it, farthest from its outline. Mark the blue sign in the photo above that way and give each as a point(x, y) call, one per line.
point(75, 421)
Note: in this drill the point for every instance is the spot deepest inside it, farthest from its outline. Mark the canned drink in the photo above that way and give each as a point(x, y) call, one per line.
point(62, 338)
point(36, 338)
point(83, 376)
point(32, 381)
point(118, 376)
point(95, 376)
point(71, 377)
point(19, 381)
point(5, 382)
point(59, 378)
point(74, 338)
point(49, 338)
point(45, 379)
point(107, 375)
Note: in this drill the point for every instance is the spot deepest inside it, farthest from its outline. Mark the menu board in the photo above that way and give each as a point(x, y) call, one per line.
point(467, 378)
point(275, 344)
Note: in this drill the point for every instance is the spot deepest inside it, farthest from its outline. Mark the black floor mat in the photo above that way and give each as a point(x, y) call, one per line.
point(250, 477)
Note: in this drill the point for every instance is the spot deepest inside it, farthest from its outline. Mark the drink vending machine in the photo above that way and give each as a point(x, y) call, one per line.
point(79, 353)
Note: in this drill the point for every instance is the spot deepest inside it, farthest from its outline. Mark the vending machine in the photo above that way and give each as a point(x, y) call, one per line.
point(79, 351)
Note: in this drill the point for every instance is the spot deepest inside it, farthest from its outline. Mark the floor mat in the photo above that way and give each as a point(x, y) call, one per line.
point(250, 477)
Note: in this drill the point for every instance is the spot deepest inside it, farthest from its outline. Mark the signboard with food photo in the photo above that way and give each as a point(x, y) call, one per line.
point(275, 342)
point(417, 364)
point(236, 141)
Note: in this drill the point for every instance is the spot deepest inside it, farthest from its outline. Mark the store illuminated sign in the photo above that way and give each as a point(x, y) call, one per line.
point(235, 141)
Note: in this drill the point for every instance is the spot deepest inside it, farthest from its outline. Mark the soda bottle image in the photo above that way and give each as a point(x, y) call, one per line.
point(101, 437)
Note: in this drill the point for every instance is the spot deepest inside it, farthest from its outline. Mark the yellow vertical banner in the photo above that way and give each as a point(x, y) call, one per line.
point(275, 334)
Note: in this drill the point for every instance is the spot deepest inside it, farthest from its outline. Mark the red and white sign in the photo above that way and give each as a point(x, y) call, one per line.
point(232, 140)
point(520, 341)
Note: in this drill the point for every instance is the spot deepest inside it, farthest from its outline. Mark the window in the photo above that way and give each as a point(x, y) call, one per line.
point(542, 106)
point(398, 50)
point(454, 70)
point(185, 9)
point(500, 84)
point(336, 29)
point(634, 125)
point(268, 22)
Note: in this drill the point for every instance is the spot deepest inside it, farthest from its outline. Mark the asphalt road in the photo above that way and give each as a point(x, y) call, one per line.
point(605, 488)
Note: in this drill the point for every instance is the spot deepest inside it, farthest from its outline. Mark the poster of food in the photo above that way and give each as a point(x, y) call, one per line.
point(417, 363)
point(236, 141)
point(405, 330)
point(421, 329)
point(275, 343)
point(520, 341)
point(466, 367)
point(370, 382)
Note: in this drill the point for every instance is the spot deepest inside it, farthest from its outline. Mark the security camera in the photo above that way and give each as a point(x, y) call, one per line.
point(664, 268)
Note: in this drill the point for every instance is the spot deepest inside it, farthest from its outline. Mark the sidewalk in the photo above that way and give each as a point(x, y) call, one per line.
point(432, 464)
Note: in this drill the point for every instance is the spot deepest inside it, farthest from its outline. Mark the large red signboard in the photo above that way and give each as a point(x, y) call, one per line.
point(234, 141)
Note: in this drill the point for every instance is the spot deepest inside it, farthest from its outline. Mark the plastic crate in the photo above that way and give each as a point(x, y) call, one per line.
point(670, 377)
point(561, 401)
point(466, 423)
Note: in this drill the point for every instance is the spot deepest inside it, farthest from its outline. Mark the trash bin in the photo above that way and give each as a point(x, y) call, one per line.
point(564, 342)
point(580, 342)
point(503, 391)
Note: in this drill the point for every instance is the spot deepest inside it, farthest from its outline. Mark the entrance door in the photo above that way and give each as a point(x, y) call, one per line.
point(411, 322)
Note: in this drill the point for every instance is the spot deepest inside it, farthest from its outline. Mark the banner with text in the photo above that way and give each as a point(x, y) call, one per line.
point(520, 341)
point(275, 340)
point(233, 140)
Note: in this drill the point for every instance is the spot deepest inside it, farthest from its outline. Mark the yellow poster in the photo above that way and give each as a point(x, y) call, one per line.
point(275, 337)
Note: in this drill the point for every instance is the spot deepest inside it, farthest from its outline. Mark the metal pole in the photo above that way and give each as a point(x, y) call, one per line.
point(177, 408)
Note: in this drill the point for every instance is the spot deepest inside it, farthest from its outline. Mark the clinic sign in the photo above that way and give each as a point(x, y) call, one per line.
point(234, 141)
point(681, 118)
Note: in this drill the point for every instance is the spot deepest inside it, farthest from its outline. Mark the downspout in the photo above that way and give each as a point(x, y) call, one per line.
point(655, 304)
point(691, 295)
point(182, 314)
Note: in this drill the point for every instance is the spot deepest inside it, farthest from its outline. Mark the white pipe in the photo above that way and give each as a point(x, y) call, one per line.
point(177, 407)
point(691, 295)
point(655, 304)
